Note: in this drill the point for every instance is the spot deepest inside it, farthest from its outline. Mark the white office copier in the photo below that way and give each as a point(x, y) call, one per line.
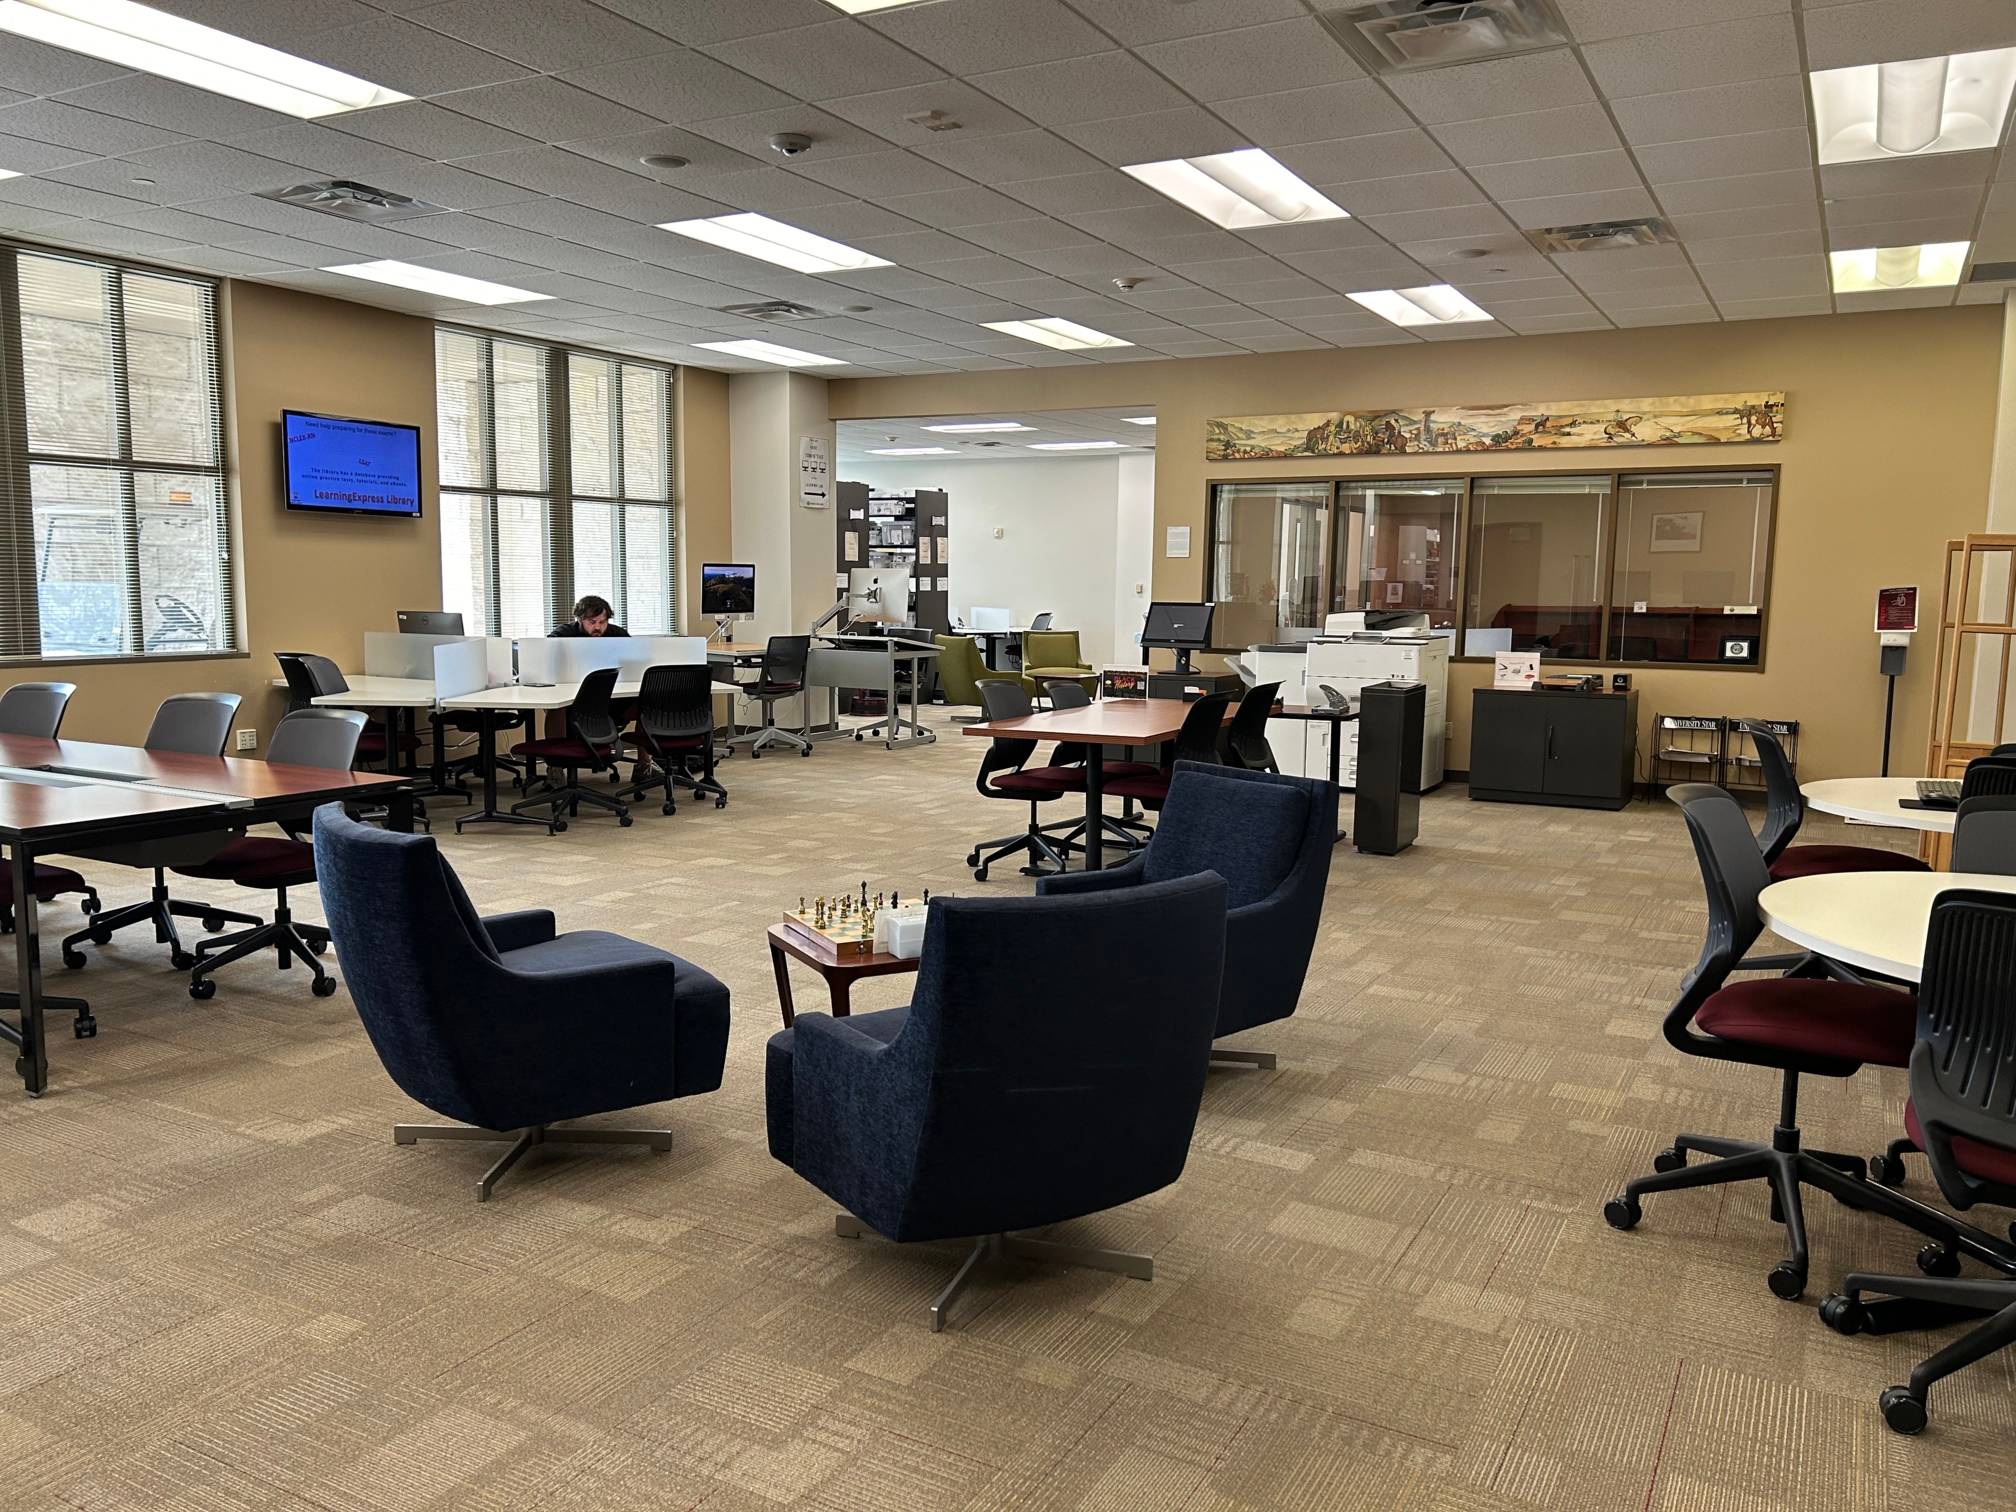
point(1347, 656)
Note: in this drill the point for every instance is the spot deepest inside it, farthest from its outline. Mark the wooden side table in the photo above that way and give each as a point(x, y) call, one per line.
point(840, 972)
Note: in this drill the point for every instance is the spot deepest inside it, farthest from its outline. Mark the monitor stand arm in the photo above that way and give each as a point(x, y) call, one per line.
point(828, 617)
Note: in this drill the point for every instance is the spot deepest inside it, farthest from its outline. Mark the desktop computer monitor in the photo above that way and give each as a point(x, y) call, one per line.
point(727, 589)
point(992, 619)
point(1181, 628)
point(879, 593)
point(429, 622)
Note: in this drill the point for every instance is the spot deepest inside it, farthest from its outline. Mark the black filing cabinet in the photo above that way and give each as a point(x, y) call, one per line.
point(1575, 750)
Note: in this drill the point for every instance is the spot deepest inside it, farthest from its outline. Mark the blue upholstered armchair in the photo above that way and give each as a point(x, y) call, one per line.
point(1270, 837)
point(1004, 1098)
point(501, 1023)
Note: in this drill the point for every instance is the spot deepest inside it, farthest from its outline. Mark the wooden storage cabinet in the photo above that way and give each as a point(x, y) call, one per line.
point(1575, 750)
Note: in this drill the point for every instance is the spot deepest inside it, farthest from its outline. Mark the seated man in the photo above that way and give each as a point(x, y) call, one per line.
point(591, 617)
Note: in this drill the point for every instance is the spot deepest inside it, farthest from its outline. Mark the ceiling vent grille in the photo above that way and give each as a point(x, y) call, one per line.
point(1403, 36)
point(349, 200)
point(776, 311)
point(1602, 236)
point(1993, 272)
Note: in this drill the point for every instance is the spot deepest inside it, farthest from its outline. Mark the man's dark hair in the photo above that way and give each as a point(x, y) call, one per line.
point(590, 605)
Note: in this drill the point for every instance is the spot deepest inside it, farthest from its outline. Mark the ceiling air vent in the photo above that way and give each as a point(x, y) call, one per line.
point(1400, 36)
point(1996, 272)
point(778, 311)
point(1602, 236)
point(353, 201)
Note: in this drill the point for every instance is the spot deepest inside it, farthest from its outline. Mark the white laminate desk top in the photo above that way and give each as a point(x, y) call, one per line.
point(559, 696)
point(1874, 800)
point(377, 692)
point(1874, 921)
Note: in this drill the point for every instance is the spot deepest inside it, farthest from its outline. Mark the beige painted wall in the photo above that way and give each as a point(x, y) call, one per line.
point(1890, 428)
point(705, 527)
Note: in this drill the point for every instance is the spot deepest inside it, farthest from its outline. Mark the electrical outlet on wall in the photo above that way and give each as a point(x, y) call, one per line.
point(248, 740)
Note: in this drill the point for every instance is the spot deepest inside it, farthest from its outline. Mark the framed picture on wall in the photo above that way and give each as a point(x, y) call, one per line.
point(1676, 532)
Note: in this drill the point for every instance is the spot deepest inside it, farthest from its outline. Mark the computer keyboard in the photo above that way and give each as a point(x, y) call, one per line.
point(1941, 790)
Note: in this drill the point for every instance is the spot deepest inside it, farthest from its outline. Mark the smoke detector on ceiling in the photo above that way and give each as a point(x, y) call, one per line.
point(1602, 236)
point(776, 310)
point(349, 200)
point(1401, 36)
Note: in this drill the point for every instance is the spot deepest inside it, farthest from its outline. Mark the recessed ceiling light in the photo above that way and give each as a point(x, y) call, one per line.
point(138, 36)
point(759, 236)
point(769, 351)
point(1917, 107)
point(1873, 270)
point(1077, 446)
point(405, 275)
point(974, 428)
point(7, 173)
point(864, 7)
point(1436, 304)
point(1238, 190)
point(911, 451)
point(1139, 419)
point(1051, 331)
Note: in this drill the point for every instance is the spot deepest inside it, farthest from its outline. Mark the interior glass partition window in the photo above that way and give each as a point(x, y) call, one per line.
point(115, 534)
point(1688, 584)
point(1395, 548)
point(1533, 566)
point(1269, 542)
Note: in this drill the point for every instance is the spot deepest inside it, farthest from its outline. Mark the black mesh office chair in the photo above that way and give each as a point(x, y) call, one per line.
point(783, 676)
point(1963, 1072)
point(1785, 812)
point(593, 744)
point(675, 724)
point(1984, 835)
point(304, 737)
point(1005, 773)
point(1988, 777)
point(189, 724)
point(1124, 829)
point(1246, 737)
point(1201, 739)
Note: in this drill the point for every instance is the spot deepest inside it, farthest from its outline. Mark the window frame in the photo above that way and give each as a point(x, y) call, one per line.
point(18, 460)
point(1469, 478)
point(559, 495)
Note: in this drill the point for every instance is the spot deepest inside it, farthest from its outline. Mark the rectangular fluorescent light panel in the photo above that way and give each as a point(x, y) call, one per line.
point(1918, 107)
point(1872, 270)
point(405, 275)
point(974, 428)
point(1436, 304)
point(1050, 331)
point(774, 242)
point(7, 173)
point(1077, 446)
point(1139, 419)
point(769, 351)
point(1238, 190)
point(911, 451)
point(152, 41)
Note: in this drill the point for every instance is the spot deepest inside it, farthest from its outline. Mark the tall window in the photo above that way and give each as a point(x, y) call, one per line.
point(556, 481)
point(115, 534)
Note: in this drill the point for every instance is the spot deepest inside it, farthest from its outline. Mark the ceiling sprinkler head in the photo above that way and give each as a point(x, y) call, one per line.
point(1128, 285)
point(790, 143)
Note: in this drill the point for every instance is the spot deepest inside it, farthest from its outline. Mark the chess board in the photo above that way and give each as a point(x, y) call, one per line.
point(849, 936)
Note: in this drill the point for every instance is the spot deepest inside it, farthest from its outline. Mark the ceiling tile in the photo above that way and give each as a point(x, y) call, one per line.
point(1313, 236)
point(1601, 20)
point(548, 35)
point(1539, 134)
point(1468, 221)
point(1707, 225)
point(968, 39)
point(1081, 193)
point(704, 158)
point(1413, 191)
point(847, 220)
point(965, 210)
point(1775, 309)
point(1925, 204)
point(1767, 278)
point(184, 171)
point(1502, 87)
point(1721, 157)
point(19, 155)
point(1901, 233)
point(1665, 315)
point(1686, 115)
point(1163, 134)
point(545, 110)
point(1586, 173)
point(173, 107)
point(1547, 325)
point(750, 134)
point(878, 175)
point(1953, 170)
point(1386, 154)
point(678, 87)
point(1580, 209)
point(419, 126)
point(1356, 107)
point(62, 125)
point(411, 59)
point(33, 68)
point(1137, 21)
point(838, 58)
point(1880, 31)
point(1258, 60)
point(1894, 299)
point(1742, 193)
point(1007, 158)
point(1093, 88)
point(886, 112)
point(1696, 58)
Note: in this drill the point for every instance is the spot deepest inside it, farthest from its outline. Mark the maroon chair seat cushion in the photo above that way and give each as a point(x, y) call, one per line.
point(1114, 769)
point(372, 743)
point(668, 743)
point(258, 861)
point(1040, 782)
point(1984, 1162)
point(774, 689)
point(50, 882)
point(1869, 1025)
point(561, 748)
point(1822, 860)
point(1152, 783)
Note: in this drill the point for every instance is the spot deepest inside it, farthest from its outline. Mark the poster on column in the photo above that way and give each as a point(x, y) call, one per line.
point(815, 472)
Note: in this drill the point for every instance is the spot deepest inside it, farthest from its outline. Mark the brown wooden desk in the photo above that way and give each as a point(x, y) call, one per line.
point(216, 793)
point(839, 972)
point(1108, 721)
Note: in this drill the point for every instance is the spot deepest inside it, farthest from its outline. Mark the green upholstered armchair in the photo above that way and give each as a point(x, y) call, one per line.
point(1048, 654)
point(960, 669)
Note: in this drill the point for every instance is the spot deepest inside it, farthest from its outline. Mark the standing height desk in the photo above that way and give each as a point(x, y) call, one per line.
point(870, 661)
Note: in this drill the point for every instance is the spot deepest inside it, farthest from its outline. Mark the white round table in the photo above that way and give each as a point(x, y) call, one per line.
point(1873, 921)
point(1874, 801)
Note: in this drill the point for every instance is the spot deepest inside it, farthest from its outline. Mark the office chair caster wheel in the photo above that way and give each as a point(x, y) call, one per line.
point(317, 947)
point(720, 803)
point(1622, 1212)
point(1902, 1411)
point(973, 858)
point(325, 986)
point(754, 754)
point(203, 991)
point(668, 808)
point(1672, 1158)
point(857, 734)
point(85, 1028)
point(101, 937)
point(1844, 1314)
point(74, 959)
point(557, 827)
point(624, 821)
point(181, 960)
point(1886, 1169)
point(212, 924)
point(1787, 1281)
point(90, 906)
point(1938, 1260)
point(979, 874)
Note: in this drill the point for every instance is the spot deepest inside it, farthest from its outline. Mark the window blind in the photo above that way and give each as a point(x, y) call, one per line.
point(114, 522)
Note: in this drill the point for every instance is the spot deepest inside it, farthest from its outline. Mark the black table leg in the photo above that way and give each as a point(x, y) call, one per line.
point(490, 813)
point(399, 812)
point(33, 1063)
point(1095, 811)
point(1336, 766)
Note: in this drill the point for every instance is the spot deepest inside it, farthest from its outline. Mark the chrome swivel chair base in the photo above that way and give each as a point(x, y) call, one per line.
point(523, 1140)
point(1014, 1247)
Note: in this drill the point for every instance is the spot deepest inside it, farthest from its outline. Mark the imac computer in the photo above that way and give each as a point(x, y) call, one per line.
point(879, 594)
point(727, 592)
point(429, 622)
point(1181, 628)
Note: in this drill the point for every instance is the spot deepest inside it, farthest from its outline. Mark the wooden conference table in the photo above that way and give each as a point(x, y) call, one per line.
point(59, 796)
point(1872, 921)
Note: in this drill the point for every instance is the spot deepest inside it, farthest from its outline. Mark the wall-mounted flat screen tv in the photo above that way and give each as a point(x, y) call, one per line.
point(336, 466)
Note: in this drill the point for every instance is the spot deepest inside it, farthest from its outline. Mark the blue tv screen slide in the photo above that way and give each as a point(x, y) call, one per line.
point(340, 466)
